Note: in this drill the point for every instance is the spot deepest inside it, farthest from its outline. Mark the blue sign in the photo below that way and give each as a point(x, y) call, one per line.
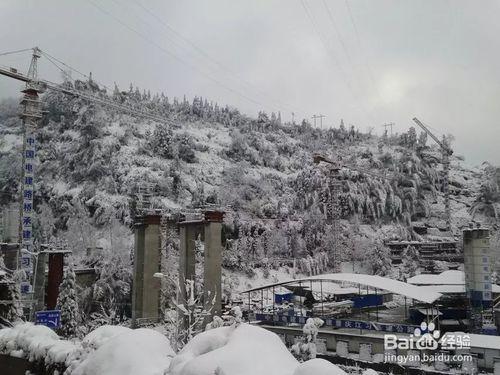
point(25, 287)
point(50, 318)
point(341, 323)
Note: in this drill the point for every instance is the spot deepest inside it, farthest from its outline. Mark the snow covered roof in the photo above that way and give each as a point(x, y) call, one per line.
point(398, 287)
point(447, 282)
point(445, 289)
point(451, 277)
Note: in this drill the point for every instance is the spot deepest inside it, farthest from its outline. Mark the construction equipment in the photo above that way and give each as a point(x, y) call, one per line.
point(446, 153)
point(338, 165)
point(31, 115)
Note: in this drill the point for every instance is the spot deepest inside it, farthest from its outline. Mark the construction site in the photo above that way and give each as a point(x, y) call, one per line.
point(357, 309)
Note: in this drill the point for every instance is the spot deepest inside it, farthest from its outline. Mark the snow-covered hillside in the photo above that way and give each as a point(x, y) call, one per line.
point(278, 203)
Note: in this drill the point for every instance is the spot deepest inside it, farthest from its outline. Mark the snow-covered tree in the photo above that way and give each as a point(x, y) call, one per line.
point(162, 142)
point(306, 348)
point(67, 302)
point(237, 315)
point(412, 137)
point(410, 263)
point(215, 323)
point(380, 260)
point(422, 140)
point(10, 295)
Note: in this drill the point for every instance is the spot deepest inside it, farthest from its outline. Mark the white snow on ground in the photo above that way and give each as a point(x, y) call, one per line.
point(318, 367)
point(245, 350)
point(114, 350)
point(141, 351)
point(95, 339)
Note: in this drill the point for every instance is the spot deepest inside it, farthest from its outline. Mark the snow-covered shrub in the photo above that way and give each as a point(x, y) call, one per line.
point(162, 142)
point(67, 302)
point(233, 350)
point(10, 295)
point(410, 263)
point(140, 351)
point(306, 349)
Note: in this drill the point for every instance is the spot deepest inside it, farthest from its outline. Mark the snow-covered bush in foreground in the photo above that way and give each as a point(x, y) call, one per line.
point(140, 351)
point(318, 367)
point(242, 350)
point(307, 348)
point(38, 344)
point(95, 339)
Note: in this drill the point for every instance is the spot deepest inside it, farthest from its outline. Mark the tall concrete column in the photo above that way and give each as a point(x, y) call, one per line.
point(39, 287)
point(187, 258)
point(146, 288)
point(213, 261)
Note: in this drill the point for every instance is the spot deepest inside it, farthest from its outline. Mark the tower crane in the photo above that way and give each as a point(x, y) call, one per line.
point(446, 153)
point(31, 114)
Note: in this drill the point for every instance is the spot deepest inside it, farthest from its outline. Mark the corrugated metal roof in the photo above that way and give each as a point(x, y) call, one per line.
point(373, 281)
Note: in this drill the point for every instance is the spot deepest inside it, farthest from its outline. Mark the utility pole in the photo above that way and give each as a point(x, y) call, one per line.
point(293, 117)
point(320, 120)
point(388, 125)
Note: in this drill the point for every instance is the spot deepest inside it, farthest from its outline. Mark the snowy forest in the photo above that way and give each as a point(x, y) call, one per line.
point(279, 208)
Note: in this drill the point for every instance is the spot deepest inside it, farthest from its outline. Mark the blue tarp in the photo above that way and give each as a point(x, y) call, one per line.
point(368, 300)
point(283, 297)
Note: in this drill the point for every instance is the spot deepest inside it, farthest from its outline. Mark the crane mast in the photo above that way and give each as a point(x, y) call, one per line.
point(446, 151)
point(31, 114)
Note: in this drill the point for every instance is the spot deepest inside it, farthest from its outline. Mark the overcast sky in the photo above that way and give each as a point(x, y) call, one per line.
point(368, 62)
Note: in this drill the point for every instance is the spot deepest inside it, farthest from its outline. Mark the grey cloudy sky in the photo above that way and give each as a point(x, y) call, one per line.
point(369, 62)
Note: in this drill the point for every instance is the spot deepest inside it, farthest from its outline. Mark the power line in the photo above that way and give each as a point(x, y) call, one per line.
point(337, 32)
point(16, 51)
point(221, 66)
point(344, 47)
point(334, 59)
point(51, 58)
point(179, 59)
point(360, 45)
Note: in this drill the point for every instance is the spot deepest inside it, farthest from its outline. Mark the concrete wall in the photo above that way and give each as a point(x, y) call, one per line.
point(331, 338)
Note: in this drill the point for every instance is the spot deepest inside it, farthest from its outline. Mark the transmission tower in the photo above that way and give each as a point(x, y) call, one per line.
point(320, 117)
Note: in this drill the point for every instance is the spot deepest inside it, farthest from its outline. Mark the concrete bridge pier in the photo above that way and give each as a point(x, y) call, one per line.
point(146, 288)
